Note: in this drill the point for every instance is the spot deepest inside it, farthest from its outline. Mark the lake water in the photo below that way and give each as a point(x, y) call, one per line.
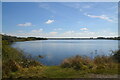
point(55, 51)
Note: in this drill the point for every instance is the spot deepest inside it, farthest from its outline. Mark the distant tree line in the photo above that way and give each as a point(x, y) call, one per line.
point(11, 39)
point(112, 38)
point(91, 38)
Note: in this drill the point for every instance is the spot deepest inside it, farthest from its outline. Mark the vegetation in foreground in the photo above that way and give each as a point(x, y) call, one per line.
point(17, 65)
point(74, 67)
point(13, 60)
point(99, 65)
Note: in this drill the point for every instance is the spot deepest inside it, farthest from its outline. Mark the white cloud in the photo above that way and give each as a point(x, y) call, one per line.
point(37, 31)
point(53, 33)
point(25, 24)
point(32, 33)
point(88, 34)
point(49, 21)
point(103, 17)
point(77, 5)
point(73, 5)
point(84, 29)
point(67, 34)
point(77, 34)
point(56, 29)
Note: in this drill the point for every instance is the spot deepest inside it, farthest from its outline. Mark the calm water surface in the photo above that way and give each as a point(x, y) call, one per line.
point(55, 51)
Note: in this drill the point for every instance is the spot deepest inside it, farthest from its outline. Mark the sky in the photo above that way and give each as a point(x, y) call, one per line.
point(60, 19)
point(60, 0)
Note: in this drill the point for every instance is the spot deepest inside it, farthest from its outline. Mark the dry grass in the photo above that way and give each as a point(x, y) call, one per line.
point(78, 63)
point(96, 65)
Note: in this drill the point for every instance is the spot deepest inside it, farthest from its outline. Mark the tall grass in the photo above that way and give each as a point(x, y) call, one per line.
point(85, 63)
point(105, 62)
point(14, 60)
point(78, 63)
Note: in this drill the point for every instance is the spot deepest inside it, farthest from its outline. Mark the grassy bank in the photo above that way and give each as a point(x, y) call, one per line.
point(17, 65)
point(58, 72)
point(12, 59)
point(74, 67)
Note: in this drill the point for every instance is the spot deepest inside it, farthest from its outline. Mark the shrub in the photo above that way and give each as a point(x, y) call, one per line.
point(13, 60)
point(84, 63)
point(102, 59)
point(25, 63)
point(78, 63)
point(103, 62)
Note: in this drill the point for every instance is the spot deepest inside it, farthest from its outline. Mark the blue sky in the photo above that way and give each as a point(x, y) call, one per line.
point(60, 19)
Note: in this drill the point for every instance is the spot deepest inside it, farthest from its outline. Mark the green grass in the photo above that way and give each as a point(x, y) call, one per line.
point(49, 72)
point(13, 60)
point(58, 72)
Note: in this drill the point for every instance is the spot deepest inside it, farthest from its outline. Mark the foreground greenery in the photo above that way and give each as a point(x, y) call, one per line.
point(109, 70)
point(13, 60)
point(58, 72)
point(17, 65)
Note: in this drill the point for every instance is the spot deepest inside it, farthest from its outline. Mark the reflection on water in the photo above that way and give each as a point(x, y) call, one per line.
point(55, 51)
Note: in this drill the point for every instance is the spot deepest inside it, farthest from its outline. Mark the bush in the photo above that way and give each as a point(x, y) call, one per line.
point(78, 63)
point(103, 62)
point(102, 59)
point(13, 60)
point(27, 63)
point(84, 63)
